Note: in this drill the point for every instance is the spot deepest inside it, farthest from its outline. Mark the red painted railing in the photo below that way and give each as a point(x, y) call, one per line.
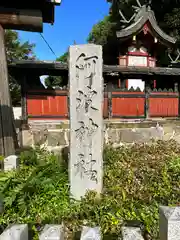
point(53, 104)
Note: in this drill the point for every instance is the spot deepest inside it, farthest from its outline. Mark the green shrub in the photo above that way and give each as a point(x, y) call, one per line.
point(137, 180)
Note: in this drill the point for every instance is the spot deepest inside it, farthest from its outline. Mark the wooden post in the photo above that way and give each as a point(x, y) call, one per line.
point(7, 121)
point(68, 102)
point(1, 134)
point(110, 104)
point(147, 93)
point(123, 83)
point(109, 95)
point(178, 87)
point(24, 98)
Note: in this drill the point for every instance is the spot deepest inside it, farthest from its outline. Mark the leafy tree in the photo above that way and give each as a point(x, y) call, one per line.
point(57, 81)
point(63, 58)
point(101, 31)
point(104, 33)
point(16, 51)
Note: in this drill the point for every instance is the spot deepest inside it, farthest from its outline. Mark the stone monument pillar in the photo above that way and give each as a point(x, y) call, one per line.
point(86, 119)
point(169, 223)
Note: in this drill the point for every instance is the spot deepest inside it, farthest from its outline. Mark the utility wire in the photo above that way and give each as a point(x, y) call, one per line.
point(48, 45)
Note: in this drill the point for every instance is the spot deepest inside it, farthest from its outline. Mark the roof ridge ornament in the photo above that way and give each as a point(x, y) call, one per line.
point(148, 3)
point(141, 15)
point(139, 10)
point(176, 60)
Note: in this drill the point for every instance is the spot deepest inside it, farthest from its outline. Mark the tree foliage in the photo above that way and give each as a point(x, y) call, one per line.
point(104, 33)
point(101, 31)
point(16, 50)
point(63, 58)
point(57, 81)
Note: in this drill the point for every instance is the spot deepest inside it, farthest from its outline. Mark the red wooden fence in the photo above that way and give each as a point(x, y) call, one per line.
point(128, 104)
point(47, 104)
point(53, 104)
point(164, 104)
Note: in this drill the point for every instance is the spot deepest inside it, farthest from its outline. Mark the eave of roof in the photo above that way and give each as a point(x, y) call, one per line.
point(59, 68)
point(46, 6)
point(147, 15)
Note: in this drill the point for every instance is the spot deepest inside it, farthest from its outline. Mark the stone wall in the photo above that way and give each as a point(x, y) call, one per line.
point(55, 136)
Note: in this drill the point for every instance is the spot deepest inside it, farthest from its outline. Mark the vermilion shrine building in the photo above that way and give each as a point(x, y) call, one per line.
point(140, 85)
point(141, 43)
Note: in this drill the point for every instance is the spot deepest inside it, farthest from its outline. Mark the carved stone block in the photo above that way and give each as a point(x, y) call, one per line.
point(40, 136)
point(91, 233)
point(52, 232)
point(131, 233)
point(15, 232)
point(56, 139)
point(10, 163)
point(86, 119)
point(169, 223)
point(27, 138)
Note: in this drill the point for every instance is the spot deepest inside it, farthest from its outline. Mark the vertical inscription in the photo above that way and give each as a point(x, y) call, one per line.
point(85, 72)
point(85, 69)
point(85, 168)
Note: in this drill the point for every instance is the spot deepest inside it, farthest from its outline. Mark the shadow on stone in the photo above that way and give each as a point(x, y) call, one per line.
point(65, 156)
point(30, 232)
point(76, 235)
point(2, 228)
point(110, 237)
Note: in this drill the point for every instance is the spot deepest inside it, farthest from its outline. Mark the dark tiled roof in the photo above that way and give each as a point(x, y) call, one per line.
point(58, 68)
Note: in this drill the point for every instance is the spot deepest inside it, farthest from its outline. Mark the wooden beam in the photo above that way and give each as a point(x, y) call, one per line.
point(6, 120)
point(58, 68)
point(19, 19)
point(143, 71)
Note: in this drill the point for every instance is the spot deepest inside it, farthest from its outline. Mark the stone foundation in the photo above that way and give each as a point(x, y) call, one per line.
point(56, 136)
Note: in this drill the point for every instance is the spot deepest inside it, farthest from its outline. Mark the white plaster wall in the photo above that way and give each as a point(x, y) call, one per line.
point(140, 61)
point(136, 83)
point(17, 112)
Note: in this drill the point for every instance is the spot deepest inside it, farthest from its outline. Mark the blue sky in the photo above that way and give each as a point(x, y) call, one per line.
point(74, 20)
